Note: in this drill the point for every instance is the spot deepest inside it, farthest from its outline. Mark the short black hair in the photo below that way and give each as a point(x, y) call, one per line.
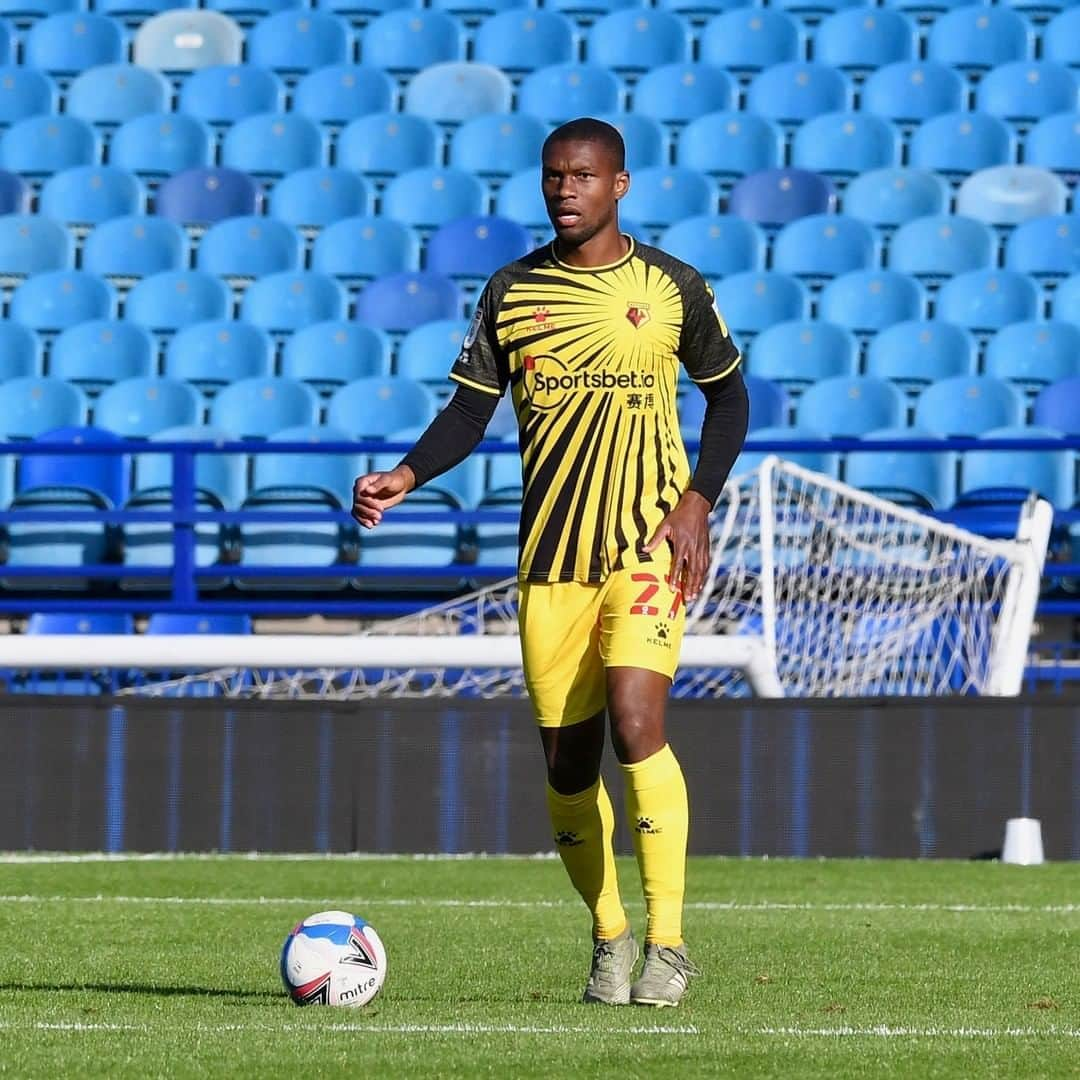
point(587, 129)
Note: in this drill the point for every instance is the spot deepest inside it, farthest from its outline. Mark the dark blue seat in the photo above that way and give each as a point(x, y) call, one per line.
point(167, 622)
point(106, 475)
point(476, 247)
point(774, 197)
point(208, 195)
point(90, 622)
point(402, 301)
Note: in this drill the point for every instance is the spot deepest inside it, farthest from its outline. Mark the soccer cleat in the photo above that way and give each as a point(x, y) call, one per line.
point(612, 965)
point(665, 976)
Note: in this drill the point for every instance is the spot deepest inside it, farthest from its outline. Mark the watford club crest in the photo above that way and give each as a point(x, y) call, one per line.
point(638, 314)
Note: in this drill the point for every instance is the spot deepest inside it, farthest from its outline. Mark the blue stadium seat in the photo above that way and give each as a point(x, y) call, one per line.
point(768, 404)
point(645, 140)
point(589, 9)
point(1065, 302)
point(774, 197)
point(524, 39)
point(925, 480)
point(365, 247)
point(179, 41)
point(679, 93)
point(338, 93)
point(665, 194)
point(864, 39)
point(498, 144)
point(207, 195)
point(427, 353)
point(219, 477)
point(132, 13)
point(1054, 143)
point(959, 143)
point(377, 407)
point(249, 247)
point(942, 246)
point(968, 405)
point(94, 354)
point(30, 244)
point(1061, 38)
point(476, 247)
point(20, 354)
point(468, 10)
point(813, 10)
point(168, 622)
point(58, 299)
point(798, 353)
point(757, 299)
point(978, 37)
point(870, 300)
point(911, 91)
point(32, 405)
point(749, 39)
point(851, 406)
point(984, 300)
point(114, 93)
point(730, 144)
point(89, 194)
point(226, 93)
point(16, 194)
point(70, 42)
point(329, 354)
point(520, 199)
point(24, 92)
point(824, 245)
point(454, 92)
point(797, 91)
point(1058, 406)
point(1032, 354)
point(1027, 90)
point(7, 42)
point(890, 197)
point(160, 144)
point(247, 12)
point(716, 244)
point(139, 407)
point(1011, 194)
point(169, 300)
point(633, 40)
point(212, 354)
point(989, 476)
point(293, 299)
point(432, 196)
point(917, 352)
point(401, 302)
point(817, 460)
point(259, 406)
point(297, 41)
point(408, 41)
point(559, 92)
point(845, 144)
point(384, 144)
point(1045, 247)
point(42, 145)
point(319, 196)
point(272, 144)
point(91, 622)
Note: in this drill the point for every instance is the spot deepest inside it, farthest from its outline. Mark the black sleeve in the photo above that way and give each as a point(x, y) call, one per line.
point(705, 346)
point(453, 435)
point(727, 414)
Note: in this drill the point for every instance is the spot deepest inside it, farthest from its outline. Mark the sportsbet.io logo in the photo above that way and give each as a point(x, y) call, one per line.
point(548, 383)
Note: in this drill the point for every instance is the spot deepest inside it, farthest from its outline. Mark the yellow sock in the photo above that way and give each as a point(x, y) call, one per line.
point(584, 825)
point(659, 817)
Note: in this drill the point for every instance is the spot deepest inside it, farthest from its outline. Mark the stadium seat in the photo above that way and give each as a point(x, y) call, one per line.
point(166, 301)
point(1032, 354)
point(925, 480)
point(799, 90)
point(91, 622)
point(365, 247)
point(30, 244)
point(16, 194)
point(293, 299)
point(959, 143)
point(430, 197)
point(212, 354)
point(864, 39)
point(136, 408)
point(94, 354)
point(560, 92)
point(750, 39)
point(1045, 247)
point(454, 92)
point(890, 197)
point(211, 622)
point(730, 144)
point(774, 197)
point(32, 405)
point(337, 93)
point(427, 353)
point(24, 92)
point(867, 301)
point(813, 10)
point(916, 352)
point(42, 145)
point(968, 405)
point(817, 460)
point(989, 476)
point(798, 353)
point(1054, 143)
point(113, 93)
point(330, 354)
point(249, 247)
point(377, 407)
point(297, 41)
point(58, 299)
point(318, 197)
point(1058, 406)
point(476, 247)
point(679, 93)
point(226, 93)
point(90, 194)
point(247, 12)
point(665, 194)
point(132, 13)
point(911, 91)
point(757, 299)
point(824, 245)
point(20, 354)
point(768, 404)
point(942, 246)
point(330, 473)
point(984, 300)
point(1061, 38)
point(272, 144)
point(978, 37)
point(1065, 302)
point(633, 40)
point(400, 302)
point(70, 42)
point(159, 144)
point(524, 39)
point(259, 406)
point(498, 144)
point(207, 195)
point(410, 40)
point(845, 144)
point(1027, 90)
point(520, 199)
point(716, 244)
point(385, 144)
point(851, 406)
point(220, 477)
point(179, 41)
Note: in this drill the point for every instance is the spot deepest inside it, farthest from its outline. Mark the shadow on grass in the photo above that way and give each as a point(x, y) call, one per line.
point(140, 988)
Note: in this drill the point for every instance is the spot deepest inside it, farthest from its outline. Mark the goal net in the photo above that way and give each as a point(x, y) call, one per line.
point(815, 589)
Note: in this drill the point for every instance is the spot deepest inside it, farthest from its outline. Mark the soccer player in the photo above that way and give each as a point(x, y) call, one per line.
point(588, 333)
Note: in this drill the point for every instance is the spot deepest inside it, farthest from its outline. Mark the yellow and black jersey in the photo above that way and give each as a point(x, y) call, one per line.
point(591, 356)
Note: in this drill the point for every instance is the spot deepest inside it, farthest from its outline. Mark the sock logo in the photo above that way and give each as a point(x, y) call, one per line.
point(645, 825)
point(565, 838)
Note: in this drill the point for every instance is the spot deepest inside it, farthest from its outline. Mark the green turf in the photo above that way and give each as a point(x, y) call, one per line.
point(812, 969)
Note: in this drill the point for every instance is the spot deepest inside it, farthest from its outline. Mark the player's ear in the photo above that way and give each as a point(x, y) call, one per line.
point(622, 183)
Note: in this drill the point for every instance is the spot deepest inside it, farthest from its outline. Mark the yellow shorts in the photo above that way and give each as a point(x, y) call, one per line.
point(571, 632)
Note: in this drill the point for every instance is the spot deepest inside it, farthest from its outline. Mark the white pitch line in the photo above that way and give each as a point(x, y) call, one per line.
point(884, 1031)
point(49, 858)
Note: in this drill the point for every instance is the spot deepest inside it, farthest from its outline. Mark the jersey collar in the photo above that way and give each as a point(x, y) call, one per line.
point(595, 269)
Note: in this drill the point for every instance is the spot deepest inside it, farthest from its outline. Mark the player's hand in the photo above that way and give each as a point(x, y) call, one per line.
point(686, 531)
point(376, 492)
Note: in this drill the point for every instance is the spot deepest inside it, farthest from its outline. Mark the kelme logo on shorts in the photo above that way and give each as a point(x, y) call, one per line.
point(548, 383)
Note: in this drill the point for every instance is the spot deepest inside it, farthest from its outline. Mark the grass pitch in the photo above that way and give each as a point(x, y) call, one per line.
point(812, 969)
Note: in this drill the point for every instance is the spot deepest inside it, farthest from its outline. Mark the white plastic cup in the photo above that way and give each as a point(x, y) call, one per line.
point(1023, 842)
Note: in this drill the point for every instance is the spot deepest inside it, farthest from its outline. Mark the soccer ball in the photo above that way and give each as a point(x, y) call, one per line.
point(333, 958)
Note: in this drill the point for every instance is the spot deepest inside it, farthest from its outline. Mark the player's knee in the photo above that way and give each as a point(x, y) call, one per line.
point(637, 731)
